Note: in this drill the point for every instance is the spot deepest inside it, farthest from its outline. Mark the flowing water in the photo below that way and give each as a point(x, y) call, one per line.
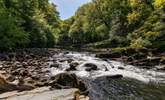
point(136, 84)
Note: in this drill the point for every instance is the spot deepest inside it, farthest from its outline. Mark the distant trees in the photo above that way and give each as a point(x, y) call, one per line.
point(108, 23)
point(135, 23)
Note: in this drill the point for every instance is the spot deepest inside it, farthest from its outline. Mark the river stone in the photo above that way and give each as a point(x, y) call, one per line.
point(115, 76)
point(122, 68)
point(109, 55)
point(67, 80)
point(72, 66)
point(55, 65)
point(90, 67)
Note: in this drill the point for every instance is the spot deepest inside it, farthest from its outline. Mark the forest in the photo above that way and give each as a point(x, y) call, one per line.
point(100, 23)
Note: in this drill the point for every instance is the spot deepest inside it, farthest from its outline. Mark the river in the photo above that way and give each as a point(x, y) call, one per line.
point(136, 84)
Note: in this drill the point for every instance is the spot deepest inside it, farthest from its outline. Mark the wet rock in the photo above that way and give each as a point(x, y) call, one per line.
point(62, 60)
point(161, 67)
point(72, 66)
point(66, 80)
point(66, 52)
point(90, 67)
point(55, 65)
point(109, 55)
point(70, 60)
point(115, 76)
point(122, 68)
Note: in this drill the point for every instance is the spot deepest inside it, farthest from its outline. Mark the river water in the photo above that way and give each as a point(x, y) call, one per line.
point(136, 84)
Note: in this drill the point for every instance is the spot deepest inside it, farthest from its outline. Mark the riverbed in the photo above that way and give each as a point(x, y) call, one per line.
point(105, 79)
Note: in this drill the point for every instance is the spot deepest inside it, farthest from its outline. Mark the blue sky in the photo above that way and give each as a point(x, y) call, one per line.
point(67, 8)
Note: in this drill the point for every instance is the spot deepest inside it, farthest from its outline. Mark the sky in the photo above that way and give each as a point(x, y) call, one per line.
point(67, 8)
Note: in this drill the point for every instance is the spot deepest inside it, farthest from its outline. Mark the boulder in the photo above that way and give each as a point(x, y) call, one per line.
point(90, 67)
point(67, 80)
point(5, 86)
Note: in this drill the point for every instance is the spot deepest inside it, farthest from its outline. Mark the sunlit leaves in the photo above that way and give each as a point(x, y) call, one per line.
point(133, 17)
point(159, 4)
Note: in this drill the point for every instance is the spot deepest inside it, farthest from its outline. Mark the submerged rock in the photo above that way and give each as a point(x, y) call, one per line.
point(122, 68)
point(90, 67)
point(55, 65)
point(72, 66)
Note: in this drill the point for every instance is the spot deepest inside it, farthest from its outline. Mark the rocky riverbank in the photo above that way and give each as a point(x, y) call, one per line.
point(143, 58)
point(28, 69)
point(25, 70)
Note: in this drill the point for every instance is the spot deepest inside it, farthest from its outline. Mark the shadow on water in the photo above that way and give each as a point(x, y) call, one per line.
point(105, 88)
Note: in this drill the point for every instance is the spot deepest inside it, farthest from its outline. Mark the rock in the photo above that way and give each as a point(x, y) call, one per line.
point(2, 81)
point(24, 73)
point(109, 55)
point(70, 60)
point(3, 56)
point(11, 78)
point(44, 93)
point(66, 80)
point(160, 67)
point(35, 77)
point(72, 66)
point(55, 65)
point(90, 67)
point(117, 76)
point(122, 68)
point(5, 86)
point(29, 81)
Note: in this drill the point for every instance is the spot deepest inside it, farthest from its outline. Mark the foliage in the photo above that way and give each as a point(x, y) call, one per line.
point(119, 23)
point(11, 35)
point(28, 23)
point(101, 23)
